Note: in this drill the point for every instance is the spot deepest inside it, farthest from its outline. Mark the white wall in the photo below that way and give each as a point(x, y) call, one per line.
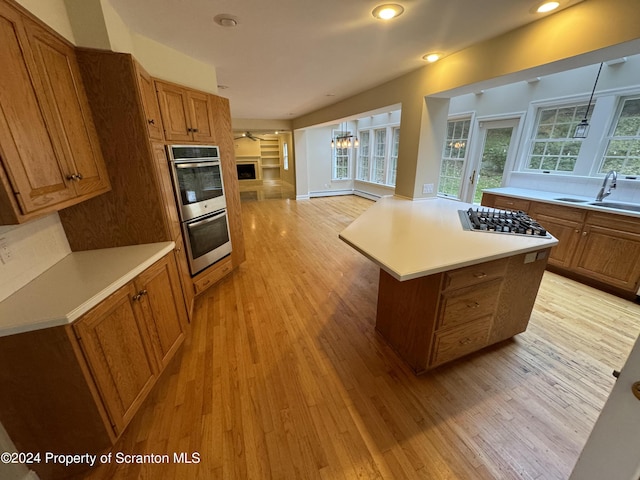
point(316, 157)
point(576, 85)
point(53, 13)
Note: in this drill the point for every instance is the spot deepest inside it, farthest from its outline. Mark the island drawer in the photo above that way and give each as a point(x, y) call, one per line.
point(467, 276)
point(456, 342)
point(467, 304)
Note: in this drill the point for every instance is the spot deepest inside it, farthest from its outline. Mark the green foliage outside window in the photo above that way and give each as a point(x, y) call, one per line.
point(623, 150)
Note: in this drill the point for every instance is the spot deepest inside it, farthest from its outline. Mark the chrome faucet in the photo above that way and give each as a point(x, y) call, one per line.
point(614, 178)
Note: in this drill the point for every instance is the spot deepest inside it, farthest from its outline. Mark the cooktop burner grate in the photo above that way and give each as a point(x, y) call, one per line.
point(501, 221)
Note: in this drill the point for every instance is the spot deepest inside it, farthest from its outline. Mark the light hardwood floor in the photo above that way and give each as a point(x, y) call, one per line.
point(284, 376)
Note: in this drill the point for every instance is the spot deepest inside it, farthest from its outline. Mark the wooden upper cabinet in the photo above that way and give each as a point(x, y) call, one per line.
point(33, 164)
point(187, 114)
point(201, 116)
point(58, 68)
point(150, 104)
point(49, 149)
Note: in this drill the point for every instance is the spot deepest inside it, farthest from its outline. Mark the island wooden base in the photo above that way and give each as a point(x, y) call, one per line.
point(438, 318)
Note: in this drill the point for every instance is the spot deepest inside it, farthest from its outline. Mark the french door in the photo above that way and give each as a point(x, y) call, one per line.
point(492, 155)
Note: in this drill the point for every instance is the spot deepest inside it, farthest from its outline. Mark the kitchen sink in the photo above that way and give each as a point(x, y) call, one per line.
point(567, 199)
point(618, 206)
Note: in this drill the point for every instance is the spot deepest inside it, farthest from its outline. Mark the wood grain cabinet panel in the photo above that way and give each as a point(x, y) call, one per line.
point(438, 318)
point(74, 388)
point(163, 308)
point(150, 105)
point(565, 224)
point(186, 114)
point(598, 248)
point(609, 251)
point(130, 337)
point(58, 68)
point(115, 343)
point(51, 157)
point(458, 342)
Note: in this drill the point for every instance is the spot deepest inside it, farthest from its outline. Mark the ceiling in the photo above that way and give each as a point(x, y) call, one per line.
point(291, 57)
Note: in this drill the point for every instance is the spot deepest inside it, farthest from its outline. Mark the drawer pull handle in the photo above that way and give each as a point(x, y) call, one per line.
point(473, 305)
point(465, 341)
point(480, 275)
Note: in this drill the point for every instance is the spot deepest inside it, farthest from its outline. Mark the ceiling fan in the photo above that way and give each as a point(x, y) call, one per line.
point(250, 136)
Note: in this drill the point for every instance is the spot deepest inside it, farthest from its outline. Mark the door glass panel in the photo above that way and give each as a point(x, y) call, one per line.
point(494, 157)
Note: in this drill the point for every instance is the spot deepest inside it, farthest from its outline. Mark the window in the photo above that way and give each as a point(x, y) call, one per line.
point(553, 148)
point(393, 157)
point(340, 162)
point(623, 146)
point(454, 152)
point(379, 154)
point(363, 156)
point(377, 158)
point(285, 156)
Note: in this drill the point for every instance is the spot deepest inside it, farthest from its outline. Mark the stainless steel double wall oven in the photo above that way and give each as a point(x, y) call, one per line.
point(199, 190)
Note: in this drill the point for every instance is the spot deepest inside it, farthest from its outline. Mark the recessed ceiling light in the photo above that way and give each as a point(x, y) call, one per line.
point(547, 7)
point(387, 11)
point(431, 57)
point(226, 20)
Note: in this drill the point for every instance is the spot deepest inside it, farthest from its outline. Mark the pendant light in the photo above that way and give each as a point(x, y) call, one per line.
point(343, 139)
point(583, 126)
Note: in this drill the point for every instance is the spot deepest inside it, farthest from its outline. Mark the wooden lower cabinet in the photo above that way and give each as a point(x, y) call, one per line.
point(435, 319)
point(598, 248)
point(609, 251)
point(75, 388)
point(117, 347)
point(563, 223)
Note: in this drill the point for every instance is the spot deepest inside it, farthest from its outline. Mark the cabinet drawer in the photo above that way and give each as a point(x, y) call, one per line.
point(451, 344)
point(509, 203)
point(621, 223)
point(464, 277)
point(469, 304)
point(212, 275)
point(558, 211)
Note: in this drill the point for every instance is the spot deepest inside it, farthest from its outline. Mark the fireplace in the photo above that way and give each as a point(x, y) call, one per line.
point(246, 171)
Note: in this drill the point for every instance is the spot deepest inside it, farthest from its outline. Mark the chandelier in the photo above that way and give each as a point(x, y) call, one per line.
point(343, 139)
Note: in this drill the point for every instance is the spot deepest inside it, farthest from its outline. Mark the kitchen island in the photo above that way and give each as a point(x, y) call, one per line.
point(444, 291)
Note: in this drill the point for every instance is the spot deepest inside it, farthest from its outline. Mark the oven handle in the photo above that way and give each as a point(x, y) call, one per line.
point(198, 164)
point(214, 216)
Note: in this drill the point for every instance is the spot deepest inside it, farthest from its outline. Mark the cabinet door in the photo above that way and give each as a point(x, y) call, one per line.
point(113, 339)
point(163, 176)
point(201, 117)
point(34, 166)
point(68, 105)
point(568, 235)
point(564, 223)
point(163, 305)
point(150, 104)
point(611, 256)
point(174, 109)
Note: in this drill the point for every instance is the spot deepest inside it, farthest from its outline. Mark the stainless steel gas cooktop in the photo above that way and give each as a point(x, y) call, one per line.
point(494, 220)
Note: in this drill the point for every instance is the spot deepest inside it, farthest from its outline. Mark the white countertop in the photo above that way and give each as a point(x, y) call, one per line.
point(414, 238)
point(552, 197)
point(74, 285)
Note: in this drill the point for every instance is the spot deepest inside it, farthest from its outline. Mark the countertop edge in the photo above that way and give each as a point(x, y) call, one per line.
point(122, 281)
point(547, 197)
point(67, 317)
